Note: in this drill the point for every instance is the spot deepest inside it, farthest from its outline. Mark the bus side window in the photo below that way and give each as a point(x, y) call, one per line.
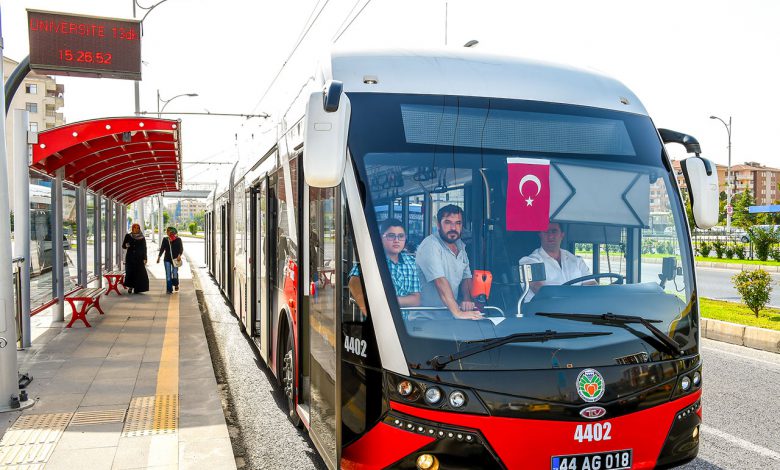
point(354, 304)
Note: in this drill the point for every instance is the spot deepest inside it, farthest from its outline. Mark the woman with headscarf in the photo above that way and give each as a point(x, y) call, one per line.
point(173, 249)
point(136, 279)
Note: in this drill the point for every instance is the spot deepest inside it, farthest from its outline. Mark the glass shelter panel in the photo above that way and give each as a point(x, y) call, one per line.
point(70, 233)
point(41, 235)
point(90, 236)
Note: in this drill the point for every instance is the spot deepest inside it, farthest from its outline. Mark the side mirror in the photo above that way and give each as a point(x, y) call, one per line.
point(325, 137)
point(701, 177)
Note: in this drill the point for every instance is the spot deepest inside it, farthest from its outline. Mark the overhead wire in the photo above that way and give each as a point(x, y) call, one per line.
point(351, 21)
point(292, 52)
point(346, 18)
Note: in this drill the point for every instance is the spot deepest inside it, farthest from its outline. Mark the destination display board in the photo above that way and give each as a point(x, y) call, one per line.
point(84, 46)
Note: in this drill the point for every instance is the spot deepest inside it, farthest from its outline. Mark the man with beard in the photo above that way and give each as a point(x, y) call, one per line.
point(443, 266)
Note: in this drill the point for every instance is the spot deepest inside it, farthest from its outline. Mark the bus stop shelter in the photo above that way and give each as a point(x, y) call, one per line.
point(103, 165)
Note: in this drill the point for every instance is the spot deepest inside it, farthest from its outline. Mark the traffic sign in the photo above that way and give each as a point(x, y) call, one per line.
point(729, 209)
point(84, 46)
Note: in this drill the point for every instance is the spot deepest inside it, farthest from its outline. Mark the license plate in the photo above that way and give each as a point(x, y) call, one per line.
point(614, 460)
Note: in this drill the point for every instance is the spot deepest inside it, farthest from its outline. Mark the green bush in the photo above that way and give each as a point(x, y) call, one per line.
point(739, 250)
point(719, 248)
point(704, 249)
point(193, 228)
point(776, 255)
point(754, 287)
point(729, 252)
point(763, 240)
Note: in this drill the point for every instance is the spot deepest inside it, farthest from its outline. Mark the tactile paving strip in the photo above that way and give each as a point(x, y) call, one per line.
point(83, 418)
point(150, 416)
point(29, 443)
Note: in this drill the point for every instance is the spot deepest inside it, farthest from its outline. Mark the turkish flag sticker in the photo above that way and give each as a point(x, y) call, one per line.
point(528, 194)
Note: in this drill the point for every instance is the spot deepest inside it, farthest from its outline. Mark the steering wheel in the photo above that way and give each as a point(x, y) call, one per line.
point(487, 308)
point(619, 279)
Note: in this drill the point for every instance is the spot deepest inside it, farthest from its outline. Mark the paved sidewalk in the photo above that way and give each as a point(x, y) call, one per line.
point(137, 390)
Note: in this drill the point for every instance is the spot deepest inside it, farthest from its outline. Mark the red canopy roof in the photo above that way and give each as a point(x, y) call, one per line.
point(127, 158)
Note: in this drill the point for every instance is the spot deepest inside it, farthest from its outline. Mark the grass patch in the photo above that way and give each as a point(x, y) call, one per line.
point(737, 313)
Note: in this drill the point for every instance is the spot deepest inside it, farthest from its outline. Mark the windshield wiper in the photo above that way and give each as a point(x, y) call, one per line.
point(438, 362)
point(610, 318)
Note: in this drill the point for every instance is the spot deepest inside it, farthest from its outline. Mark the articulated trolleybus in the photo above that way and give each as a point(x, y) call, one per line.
point(601, 371)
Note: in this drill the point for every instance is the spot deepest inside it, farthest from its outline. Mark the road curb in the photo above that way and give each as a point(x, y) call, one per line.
point(749, 336)
point(737, 267)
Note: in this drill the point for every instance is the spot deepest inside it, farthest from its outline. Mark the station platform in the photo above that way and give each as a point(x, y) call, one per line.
point(135, 391)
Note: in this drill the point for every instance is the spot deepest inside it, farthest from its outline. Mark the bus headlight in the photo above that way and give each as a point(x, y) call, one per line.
point(405, 388)
point(427, 462)
point(685, 384)
point(433, 395)
point(457, 399)
point(696, 379)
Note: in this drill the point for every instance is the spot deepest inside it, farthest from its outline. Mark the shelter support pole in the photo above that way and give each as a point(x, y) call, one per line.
point(141, 214)
point(119, 235)
point(81, 214)
point(109, 235)
point(160, 219)
point(57, 269)
point(98, 238)
point(9, 379)
point(22, 216)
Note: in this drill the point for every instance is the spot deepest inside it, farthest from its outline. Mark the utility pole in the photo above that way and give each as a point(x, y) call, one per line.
point(729, 207)
point(9, 371)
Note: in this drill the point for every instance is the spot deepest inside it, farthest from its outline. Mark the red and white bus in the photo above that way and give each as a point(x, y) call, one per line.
point(605, 375)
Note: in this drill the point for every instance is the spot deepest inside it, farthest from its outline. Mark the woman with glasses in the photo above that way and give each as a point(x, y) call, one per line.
point(402, 267)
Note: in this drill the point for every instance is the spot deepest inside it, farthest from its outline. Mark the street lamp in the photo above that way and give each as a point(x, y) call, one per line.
point(728, 174)
point(165, 102)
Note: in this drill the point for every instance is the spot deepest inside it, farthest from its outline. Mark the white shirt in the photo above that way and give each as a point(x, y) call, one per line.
point(571, 267)
point(434, 260)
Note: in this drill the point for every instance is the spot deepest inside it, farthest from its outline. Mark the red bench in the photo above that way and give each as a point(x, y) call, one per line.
point(114, 278)
point(89, 297)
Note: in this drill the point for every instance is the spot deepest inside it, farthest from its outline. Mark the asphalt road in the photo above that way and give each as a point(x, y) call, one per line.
point(715, 283)
point(740, 405)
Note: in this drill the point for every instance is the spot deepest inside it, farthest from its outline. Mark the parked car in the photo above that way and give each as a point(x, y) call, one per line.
point(747, 237)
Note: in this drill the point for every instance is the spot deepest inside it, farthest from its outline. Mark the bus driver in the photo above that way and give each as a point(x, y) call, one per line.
point(443, 266)
point(559, 265)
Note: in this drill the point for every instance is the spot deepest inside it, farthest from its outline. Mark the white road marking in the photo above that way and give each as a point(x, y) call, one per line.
point(776, 364)
point(747, 445)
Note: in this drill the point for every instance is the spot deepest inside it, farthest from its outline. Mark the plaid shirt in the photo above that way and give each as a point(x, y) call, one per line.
point(403, 273)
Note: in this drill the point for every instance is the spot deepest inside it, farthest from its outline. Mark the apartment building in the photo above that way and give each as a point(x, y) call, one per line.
point(759, 179)
point(42, 97)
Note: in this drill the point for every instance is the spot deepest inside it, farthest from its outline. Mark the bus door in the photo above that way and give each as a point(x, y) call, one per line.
point(260, 264)
point(223, 249)
point(321, 343)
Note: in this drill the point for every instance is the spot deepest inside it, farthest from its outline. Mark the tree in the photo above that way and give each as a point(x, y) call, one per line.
point(166, 218)
point(199, 218)
point(688, 209)
point(193, 228)
point(722, 208)
point(741, 217)
point(754, 287)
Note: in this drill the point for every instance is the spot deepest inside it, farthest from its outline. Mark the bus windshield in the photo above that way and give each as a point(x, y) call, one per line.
point(463, 193)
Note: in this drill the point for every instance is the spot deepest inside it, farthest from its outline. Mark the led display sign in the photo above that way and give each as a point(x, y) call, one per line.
point(84, 46)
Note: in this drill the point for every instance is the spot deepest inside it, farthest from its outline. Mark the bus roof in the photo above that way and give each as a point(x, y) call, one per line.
point(469, 72)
